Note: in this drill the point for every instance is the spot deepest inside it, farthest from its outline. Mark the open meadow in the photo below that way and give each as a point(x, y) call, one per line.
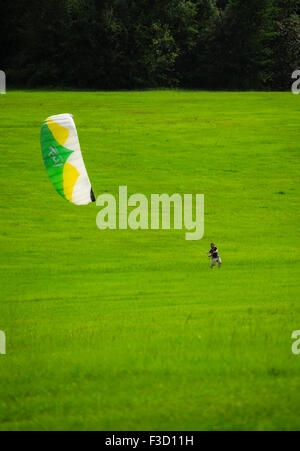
point(131, 330)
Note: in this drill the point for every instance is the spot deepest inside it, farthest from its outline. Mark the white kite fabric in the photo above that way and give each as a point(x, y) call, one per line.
point(63, 159)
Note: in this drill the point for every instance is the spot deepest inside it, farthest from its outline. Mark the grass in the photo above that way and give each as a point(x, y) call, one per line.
point(124, 330)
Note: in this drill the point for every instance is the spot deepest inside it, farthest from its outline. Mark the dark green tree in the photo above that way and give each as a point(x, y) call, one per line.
point(128, 44)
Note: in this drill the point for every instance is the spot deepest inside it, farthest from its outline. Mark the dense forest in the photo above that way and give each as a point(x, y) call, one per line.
point(133, 44)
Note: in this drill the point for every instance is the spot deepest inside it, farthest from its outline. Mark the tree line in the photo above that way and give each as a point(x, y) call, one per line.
point(137, 44)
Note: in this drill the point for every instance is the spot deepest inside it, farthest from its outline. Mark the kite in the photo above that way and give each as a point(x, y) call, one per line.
point(63, 160)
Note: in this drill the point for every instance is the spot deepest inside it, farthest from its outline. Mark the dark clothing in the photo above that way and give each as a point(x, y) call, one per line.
point(214, 252)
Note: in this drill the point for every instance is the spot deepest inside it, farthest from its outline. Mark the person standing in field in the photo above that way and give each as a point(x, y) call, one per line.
point(214, 254)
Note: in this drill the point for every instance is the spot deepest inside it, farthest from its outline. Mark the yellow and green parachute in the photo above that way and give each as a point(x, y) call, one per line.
point(63, 160)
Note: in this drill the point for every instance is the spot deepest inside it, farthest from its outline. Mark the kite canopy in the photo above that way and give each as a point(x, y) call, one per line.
point(63, 160)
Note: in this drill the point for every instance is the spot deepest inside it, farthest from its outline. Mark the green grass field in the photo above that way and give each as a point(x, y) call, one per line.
point(124, 330)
